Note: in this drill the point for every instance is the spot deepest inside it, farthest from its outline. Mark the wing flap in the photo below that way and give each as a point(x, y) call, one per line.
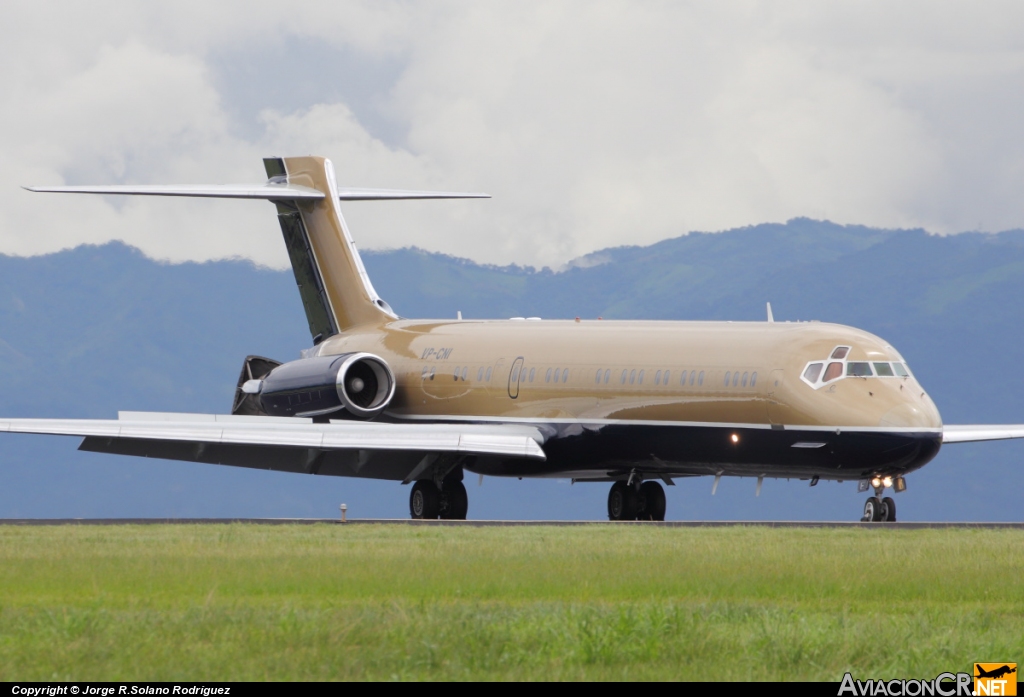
point(973, 433)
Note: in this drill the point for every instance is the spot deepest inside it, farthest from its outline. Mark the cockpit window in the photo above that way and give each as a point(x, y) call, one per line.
point(812, 372)
point(834, 370)
point(838, 368)
point(859, 370)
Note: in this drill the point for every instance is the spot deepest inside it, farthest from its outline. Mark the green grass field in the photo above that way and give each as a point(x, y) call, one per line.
point(253, 602)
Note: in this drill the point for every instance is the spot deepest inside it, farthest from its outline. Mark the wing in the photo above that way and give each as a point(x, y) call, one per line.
point(341, 448)
point(967, 434)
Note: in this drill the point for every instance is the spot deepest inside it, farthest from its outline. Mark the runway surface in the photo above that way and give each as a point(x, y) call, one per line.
point(505, 523)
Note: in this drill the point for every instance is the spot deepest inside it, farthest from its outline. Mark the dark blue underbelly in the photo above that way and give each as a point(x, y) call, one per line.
point(710, 449)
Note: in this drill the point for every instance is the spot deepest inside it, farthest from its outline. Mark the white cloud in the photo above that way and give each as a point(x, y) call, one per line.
point(593, 124)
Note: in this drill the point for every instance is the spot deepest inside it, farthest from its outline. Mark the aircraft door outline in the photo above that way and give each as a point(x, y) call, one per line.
point(514, 376)
point(776, 380)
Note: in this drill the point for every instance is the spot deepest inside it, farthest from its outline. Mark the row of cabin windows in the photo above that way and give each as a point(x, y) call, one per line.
point(633, 377)
point(636, 377)
point(740, 381)
point(528, 375)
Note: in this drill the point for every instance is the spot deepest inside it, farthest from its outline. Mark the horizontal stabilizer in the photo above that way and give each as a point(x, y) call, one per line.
point(269, 192)
point(969, 434)
point(349, 194)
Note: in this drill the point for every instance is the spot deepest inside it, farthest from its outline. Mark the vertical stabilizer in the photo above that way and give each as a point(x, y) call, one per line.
point(335, 288)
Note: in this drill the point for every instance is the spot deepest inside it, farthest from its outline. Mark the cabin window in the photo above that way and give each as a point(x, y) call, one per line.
point(727, 376)
point(859, 370)
point(515, 374)
point(479, 374)
point(597, 378)
point(487, 377)
point(735, 378)
point(700, 378)
point(833, 371)
point(840, 352)
point(533, 371)
point(632, 376)
point(743, 380)
point(456, 375)
point(547, 376)
point(465, 370)
point(883, 370)
point(607, 375)
point(657, 378)
point(900, 370)
point(555, 378)
point(565, 375)
point(667, 374)
point(640, 378)
point(812, 372)
point(753, 378)
point(423, 375)
point(622, 379)
point(431, 372)
point(682, 379)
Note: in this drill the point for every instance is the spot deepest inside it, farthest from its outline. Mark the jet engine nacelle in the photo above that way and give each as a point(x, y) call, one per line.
point(361, 384)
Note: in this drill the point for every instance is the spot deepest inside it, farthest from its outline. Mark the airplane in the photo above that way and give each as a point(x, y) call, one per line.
point(630, 403)
point(995, 672)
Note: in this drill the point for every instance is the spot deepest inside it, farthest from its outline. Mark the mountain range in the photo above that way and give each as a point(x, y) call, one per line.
point(89, 331)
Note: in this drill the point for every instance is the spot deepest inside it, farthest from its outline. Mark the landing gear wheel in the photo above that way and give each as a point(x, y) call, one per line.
point(424, 501)
point(889, 510)
point(456, 501)
point(872, 510)
point(653, 497)
point(622, 502)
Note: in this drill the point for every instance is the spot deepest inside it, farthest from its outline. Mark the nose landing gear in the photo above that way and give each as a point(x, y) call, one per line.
point(636, 501)
point(878, 509)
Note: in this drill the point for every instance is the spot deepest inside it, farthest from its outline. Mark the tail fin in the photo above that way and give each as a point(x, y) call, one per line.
point(335, 289)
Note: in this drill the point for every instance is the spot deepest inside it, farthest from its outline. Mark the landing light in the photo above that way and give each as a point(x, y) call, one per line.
point(887, 481)
point(734, 438)
point(876, 482)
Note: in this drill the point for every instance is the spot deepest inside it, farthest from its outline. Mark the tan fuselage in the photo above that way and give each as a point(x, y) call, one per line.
point(462, 369)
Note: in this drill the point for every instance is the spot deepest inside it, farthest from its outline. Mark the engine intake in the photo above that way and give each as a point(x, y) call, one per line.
point(361, 384)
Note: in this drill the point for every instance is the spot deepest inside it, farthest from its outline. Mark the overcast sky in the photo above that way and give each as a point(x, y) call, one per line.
point(593, 124)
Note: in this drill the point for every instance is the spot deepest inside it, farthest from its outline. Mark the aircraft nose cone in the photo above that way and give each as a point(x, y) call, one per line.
point(908, 415)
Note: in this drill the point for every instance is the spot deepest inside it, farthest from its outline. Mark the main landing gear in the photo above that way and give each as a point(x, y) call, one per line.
point(878, 509)
point(636, 501)
point(428, 502)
